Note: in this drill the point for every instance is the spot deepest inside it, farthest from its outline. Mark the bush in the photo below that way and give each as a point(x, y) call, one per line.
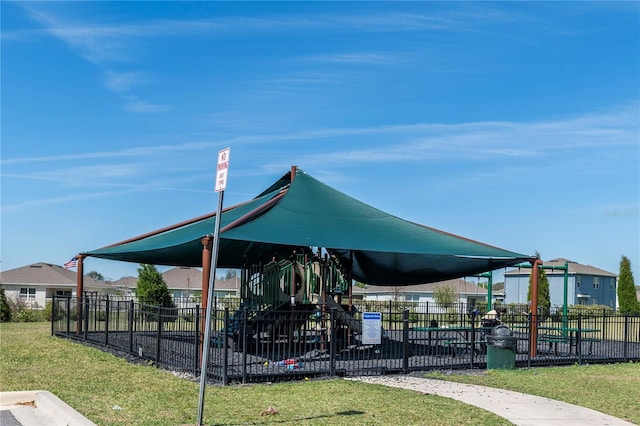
point(23, 314)
point(49, 313)
point(5, 307)
point(588, 311)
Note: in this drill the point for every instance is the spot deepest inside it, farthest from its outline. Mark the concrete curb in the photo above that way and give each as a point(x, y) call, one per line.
point(519, 408)
point(40, 408)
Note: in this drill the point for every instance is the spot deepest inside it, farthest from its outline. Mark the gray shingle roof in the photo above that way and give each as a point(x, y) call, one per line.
point(459, 285)
point(48, 274)
point(182, 278)
point(574, 268)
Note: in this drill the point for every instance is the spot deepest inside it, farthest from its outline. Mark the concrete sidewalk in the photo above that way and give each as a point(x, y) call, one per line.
point(518, 408)
point(37, 408)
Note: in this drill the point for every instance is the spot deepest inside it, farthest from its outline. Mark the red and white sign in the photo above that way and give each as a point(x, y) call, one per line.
point(223, 168)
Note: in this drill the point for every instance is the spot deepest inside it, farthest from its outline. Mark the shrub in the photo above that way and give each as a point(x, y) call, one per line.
point(49, 313)
point(5, 307)
point(588, 311)
point(24, 314)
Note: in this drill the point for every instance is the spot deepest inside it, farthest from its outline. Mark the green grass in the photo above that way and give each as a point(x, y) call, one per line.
point(94, 382)
point(612, 389)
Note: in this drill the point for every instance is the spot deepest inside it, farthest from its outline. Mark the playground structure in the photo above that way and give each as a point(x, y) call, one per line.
point(279, 299)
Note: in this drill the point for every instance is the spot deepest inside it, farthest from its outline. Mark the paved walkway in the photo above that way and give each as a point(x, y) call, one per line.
point(37, 408)
point(518, 408)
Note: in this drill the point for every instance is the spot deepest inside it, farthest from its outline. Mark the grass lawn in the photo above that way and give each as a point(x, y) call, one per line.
point(94, 382)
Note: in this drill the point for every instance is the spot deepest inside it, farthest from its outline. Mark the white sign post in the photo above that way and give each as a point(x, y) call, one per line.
point(221, 185)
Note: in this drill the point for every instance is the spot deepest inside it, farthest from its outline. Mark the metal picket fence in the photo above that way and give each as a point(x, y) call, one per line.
point(294, 342)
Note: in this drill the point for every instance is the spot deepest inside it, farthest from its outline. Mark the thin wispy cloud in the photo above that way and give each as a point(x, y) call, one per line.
point(422, 141)
point(135, 104)
point(365, 58)
point(120, 82)
point(12, 208)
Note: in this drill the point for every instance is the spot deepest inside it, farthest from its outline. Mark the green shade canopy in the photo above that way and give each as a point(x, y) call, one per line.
point(382, 249)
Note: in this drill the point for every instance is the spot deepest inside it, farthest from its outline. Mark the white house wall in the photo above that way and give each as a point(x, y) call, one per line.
point(12, 292)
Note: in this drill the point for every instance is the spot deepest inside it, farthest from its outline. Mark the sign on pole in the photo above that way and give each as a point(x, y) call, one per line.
point(371, 328)
point(221, 184)
point(223, 167)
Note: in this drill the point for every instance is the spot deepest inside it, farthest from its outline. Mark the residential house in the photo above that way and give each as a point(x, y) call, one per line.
point(184, 284)
point(34, 284)
point(587, 285)
point(468, 293)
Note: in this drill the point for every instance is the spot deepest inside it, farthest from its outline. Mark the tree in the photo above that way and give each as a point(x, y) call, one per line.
point(396, 293)
point(151, 288)
point(96, 275)
point(231, 273)
point(5, 308)
point(627, 299)
point(445, 295)
point(359, 284)
point(544, 300)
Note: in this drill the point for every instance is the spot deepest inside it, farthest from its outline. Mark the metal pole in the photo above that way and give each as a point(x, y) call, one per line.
point(207, 330)
point(565, 314)
point(490, 290)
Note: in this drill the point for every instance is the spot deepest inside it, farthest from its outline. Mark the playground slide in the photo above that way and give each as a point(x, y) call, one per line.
point(344, 316)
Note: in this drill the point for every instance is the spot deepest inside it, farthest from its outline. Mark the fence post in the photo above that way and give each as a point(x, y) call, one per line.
point(472, 320)
point(53, 312)
point(86, 318)
point(578, 339)
point(196, 357)
point(130, 326)
point(158, 336)
point(405, 342)
point(332, 343)
point(245, 314)
point(225, 352)
point(626, 338)
point(529, 323)
point(69, 313)
point(106, 320)
point(118, 315)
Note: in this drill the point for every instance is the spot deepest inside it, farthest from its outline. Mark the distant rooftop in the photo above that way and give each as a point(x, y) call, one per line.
point(574, 268)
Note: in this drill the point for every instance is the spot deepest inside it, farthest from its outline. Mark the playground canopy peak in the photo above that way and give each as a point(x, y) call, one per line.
point(300, 212)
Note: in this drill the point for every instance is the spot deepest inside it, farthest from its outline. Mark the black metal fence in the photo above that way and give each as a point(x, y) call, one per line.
point(309, 340)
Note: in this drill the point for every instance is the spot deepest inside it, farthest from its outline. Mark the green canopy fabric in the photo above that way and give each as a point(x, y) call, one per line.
point(382, 249)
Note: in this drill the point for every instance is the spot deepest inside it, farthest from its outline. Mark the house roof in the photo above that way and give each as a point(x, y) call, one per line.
point(126, 282)
point(47, 274)
point(299, 211)
point(574, 268)
point(460, 286)
point(183, 278)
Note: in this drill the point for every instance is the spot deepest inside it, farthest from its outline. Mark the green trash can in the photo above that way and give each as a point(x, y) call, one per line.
point(501, 349)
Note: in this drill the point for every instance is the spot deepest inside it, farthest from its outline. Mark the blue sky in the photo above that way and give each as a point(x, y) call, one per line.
point(512, 123)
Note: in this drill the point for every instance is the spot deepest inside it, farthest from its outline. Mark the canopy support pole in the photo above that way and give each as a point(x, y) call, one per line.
point(533, 332)
point(207, 246)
